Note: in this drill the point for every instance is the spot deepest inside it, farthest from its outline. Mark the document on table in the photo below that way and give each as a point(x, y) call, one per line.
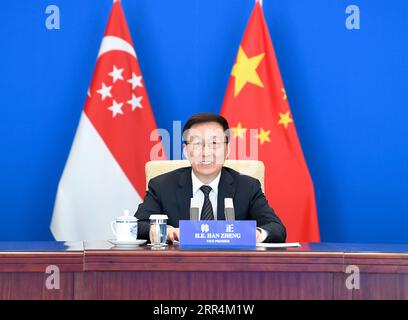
point(279, 245)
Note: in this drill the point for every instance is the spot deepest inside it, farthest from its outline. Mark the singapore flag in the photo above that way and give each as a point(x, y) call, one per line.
point(104, 173)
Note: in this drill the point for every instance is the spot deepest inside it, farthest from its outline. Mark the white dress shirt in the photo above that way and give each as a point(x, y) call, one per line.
point(198, 194)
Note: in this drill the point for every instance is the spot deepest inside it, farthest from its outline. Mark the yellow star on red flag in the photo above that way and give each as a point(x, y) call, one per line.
point(239, 131)
point(285, 97)
point(244, 71)
point(264, 136)
point(285, 119)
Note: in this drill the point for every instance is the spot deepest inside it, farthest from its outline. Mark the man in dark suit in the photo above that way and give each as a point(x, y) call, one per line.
point(206, 145)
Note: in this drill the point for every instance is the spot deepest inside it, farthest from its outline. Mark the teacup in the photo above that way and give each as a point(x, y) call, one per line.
point(125, 227)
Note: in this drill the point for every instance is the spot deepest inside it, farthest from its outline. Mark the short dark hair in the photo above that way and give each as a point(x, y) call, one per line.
point(206, 117)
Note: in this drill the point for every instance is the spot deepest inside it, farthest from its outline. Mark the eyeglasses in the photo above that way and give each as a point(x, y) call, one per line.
point(198, 145)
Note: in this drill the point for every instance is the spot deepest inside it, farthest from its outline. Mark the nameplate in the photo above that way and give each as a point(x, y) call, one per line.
point(221, 234)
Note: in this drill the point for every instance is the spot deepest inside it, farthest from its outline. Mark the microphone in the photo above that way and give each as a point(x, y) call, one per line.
point(229, 209)
point(194, 209)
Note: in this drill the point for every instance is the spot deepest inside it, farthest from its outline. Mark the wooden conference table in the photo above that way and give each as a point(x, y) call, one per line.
point(96, 270)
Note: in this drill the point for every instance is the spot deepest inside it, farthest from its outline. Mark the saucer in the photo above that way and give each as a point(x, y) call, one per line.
point(157, 246)
point(127, 244)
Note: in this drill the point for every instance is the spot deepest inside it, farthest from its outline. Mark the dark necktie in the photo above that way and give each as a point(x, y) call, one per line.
point(207, 210)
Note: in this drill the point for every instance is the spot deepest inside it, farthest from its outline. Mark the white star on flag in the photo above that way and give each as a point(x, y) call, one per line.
point(116, 108)
point(136, 81)
point(105, 170)
point(105, 91)
point(116, 74)
point(135, 102)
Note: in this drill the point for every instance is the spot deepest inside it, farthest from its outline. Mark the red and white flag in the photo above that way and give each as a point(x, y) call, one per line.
point(104, 173)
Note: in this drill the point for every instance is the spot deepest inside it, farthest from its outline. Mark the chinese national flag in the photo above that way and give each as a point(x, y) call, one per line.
point(105, 170)
point(258, 112)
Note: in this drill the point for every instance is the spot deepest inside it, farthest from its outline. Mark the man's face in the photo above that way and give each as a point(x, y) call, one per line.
point(206, 148)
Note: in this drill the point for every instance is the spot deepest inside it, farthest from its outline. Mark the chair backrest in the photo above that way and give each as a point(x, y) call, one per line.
point(253, 168)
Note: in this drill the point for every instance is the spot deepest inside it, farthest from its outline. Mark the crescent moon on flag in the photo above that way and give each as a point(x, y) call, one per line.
point(110, 43)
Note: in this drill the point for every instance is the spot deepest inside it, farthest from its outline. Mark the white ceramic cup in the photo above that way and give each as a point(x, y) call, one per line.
point(125, 228)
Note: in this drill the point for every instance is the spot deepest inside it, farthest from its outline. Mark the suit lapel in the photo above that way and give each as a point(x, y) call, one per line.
point(226, 189)
point(184, 193)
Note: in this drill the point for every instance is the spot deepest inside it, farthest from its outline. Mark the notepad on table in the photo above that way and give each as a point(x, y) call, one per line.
point(279, 245)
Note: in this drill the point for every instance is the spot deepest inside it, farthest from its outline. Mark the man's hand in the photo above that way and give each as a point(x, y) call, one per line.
point(173, 233)
point(258, 236)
